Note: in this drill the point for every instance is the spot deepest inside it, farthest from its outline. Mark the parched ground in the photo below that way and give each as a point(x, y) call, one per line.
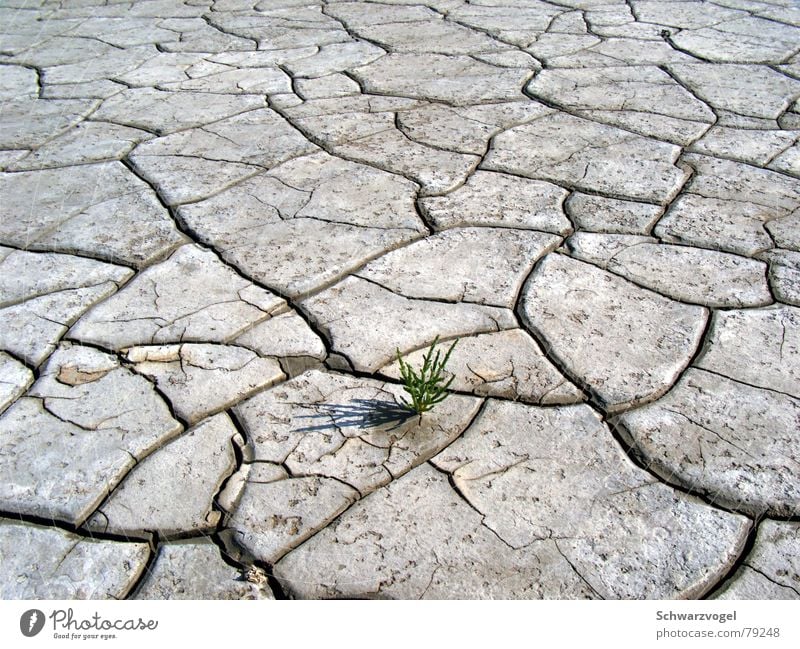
point(220, 221)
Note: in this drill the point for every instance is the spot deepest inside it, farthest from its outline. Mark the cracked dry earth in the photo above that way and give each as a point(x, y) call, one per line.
point(220, 219)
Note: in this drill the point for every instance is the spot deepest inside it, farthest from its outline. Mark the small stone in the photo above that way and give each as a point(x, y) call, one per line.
point(735, 443)
point(500, 200)
point(201, 379)
point(626, 344)
point(368, 323)
point(771, 570)
point(192, 296)
point(49, 563)
point(506, 364)
point(760, 347)
point(475, 265)
point(171, 491)
point(194, 570)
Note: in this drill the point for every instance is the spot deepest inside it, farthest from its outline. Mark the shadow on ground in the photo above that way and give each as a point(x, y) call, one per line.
point(358, 413)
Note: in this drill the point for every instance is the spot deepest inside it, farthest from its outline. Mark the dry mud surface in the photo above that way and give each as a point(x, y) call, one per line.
point(221, 220)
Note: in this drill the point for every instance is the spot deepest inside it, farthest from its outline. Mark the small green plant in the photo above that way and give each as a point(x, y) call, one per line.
point(426, 389)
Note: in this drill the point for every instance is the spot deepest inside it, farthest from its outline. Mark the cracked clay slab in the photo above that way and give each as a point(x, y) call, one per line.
point(624, 343)
point(194, 570)
point(42, 294)
point(771, 570)
point(457, 80)
point(643, 98)
point(500, 200)
point(15, 378)
point(100, 210)
point(201, 379)
point(733, 442)
point(476, 265)
point(368, 323)
point(589, 156)
point(760, 347)
point(417, 539)
point(308, 221)
point(695, 275)
point(49, 563)
point(84, 424)
point(557, 473)
point(192, 296)
point(171, 491)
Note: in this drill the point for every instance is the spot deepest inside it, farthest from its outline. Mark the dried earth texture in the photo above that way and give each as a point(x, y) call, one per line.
point(221, 221)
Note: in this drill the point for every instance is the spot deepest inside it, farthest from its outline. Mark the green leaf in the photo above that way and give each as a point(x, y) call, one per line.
point(426, 388)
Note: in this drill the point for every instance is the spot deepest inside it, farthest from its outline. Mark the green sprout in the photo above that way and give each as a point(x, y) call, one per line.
point(425, 388)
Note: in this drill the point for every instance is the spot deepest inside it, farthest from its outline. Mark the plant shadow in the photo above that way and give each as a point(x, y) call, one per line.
point(359, 413)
